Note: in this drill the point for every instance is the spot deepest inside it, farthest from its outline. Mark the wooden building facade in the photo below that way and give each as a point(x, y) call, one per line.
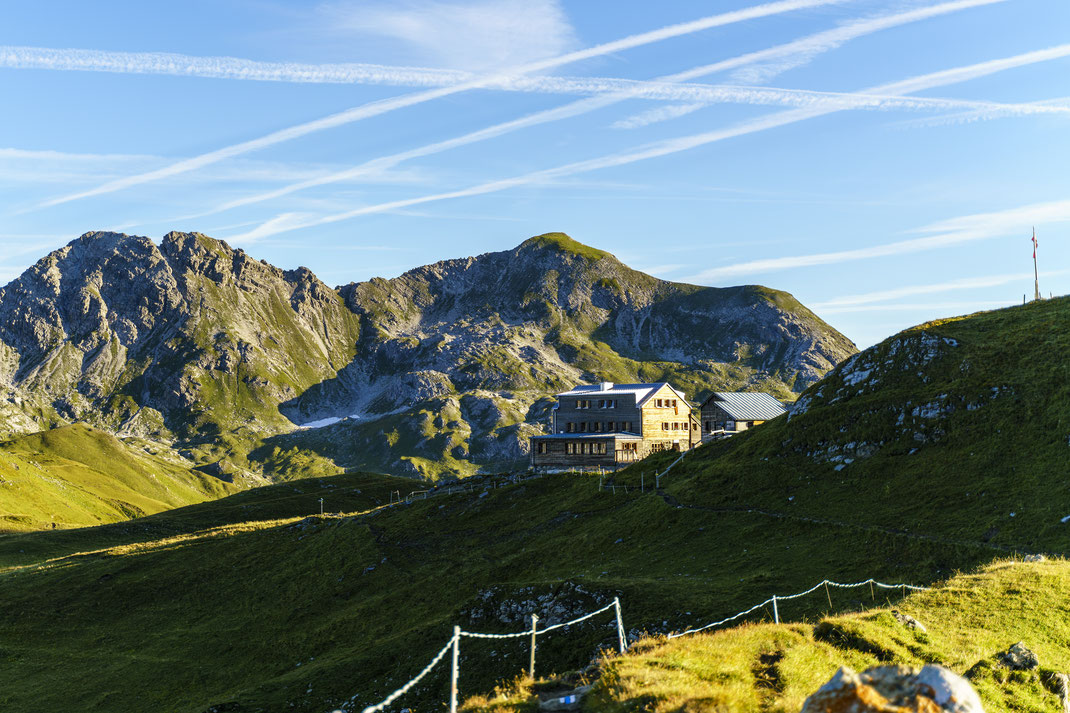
point(611, 425)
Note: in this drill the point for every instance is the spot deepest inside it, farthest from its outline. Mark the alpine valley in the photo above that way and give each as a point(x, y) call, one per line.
point(221, 366)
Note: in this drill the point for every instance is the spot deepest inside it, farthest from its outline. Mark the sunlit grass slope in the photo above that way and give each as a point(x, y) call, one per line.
point(765, 667)
point(76, 476)
point(278, 611)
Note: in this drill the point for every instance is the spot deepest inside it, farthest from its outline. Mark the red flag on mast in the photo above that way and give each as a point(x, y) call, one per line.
point(1034, 243)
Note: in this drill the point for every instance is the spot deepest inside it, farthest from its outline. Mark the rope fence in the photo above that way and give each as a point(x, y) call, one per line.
point(454, 643)
point(783, 598)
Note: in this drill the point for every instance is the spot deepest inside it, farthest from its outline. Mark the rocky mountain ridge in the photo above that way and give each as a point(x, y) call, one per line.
point(441, 370)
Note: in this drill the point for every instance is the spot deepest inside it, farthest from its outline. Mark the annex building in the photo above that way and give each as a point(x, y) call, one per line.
point(725, 414)
point(608, 425)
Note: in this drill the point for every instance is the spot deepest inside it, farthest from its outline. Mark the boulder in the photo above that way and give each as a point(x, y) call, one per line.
point(1033, 558)
point(895, 689)
point(1062, 686)
point(908, 621)
point(1019, 658)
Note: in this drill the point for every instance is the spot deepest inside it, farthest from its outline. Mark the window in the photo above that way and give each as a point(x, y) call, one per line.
point(674, 403)
point(694, 426)
point(597, 427)
point(664, 426)
point(657, 403)
point(569, 427)
point(586, 448)
point(607, 403)
point(542, 447)
point(708, 428)
point(602, 448)
point(570, 448)
point(611, 426)
point(583, 427)
point(583, 403)
point(626, 426)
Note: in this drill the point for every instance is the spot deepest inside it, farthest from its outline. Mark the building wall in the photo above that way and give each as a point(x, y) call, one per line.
point(557, 452)
point(655, 435)
point(717, 418)
point(624, 412)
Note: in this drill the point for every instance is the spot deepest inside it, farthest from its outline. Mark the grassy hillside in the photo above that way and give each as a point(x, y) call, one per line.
point(76, 476)
point(940, 450)
point(305, 613)
point(969, 620)
point(958, 429)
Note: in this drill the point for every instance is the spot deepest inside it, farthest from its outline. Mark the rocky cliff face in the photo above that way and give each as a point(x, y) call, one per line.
point(446, 368)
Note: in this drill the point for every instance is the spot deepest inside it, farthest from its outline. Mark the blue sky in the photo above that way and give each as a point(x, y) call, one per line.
point(884, 161)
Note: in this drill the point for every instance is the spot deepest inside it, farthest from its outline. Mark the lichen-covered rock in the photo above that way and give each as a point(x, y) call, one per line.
point(1019, 658)
point(908, 621)
point(895, 689)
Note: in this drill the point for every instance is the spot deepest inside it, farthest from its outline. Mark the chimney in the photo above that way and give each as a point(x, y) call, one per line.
point(606, 386)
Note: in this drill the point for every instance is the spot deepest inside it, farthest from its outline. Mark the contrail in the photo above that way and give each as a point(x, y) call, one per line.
point(809, 46)
point(950, 232)
point(671, 146)
point(387, 105)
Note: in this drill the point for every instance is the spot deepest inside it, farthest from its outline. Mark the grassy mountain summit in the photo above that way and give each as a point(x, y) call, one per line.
point(446, 369)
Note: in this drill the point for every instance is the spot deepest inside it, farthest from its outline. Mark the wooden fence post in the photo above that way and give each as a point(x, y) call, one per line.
point(455, 674)
point(531, 669)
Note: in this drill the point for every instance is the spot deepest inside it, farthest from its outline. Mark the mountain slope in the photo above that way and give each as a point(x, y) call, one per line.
point(444, 370)
point(461, 356)
point(75, 476)
point(958, 428)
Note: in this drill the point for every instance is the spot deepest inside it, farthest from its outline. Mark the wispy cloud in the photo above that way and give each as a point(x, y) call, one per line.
point(966, 283)
point(659, 114)
point(763, 65)
point(686, 143)
point(980, 114)
point(387, 105)
point(472, 35)
point(927, 307)
point(664, 86)
point(954, 231)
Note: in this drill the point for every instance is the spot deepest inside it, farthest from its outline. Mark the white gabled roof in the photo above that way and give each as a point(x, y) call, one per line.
point(642, 391)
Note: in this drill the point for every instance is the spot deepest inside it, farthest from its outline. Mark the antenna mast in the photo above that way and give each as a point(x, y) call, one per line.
point(1036, 275)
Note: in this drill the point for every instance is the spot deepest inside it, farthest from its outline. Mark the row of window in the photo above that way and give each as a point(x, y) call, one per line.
point(676, 426)
point(665, 403)
point(583, 448)
point(586, 449)
point(596, 403)
point(599, 427)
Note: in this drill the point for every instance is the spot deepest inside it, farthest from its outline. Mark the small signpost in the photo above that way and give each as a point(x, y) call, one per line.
point(321, 507)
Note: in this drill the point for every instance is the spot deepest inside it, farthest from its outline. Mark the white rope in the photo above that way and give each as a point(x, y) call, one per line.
point(405, 689)
point(577, 621)
point(722, 621)
point(538, 631)
point(802, 594)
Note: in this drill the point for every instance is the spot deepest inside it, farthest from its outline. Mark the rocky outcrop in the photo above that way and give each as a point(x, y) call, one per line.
point(895, 689)
point(447, 364)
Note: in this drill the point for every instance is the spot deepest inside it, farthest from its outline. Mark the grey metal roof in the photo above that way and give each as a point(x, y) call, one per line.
point(747, 405)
